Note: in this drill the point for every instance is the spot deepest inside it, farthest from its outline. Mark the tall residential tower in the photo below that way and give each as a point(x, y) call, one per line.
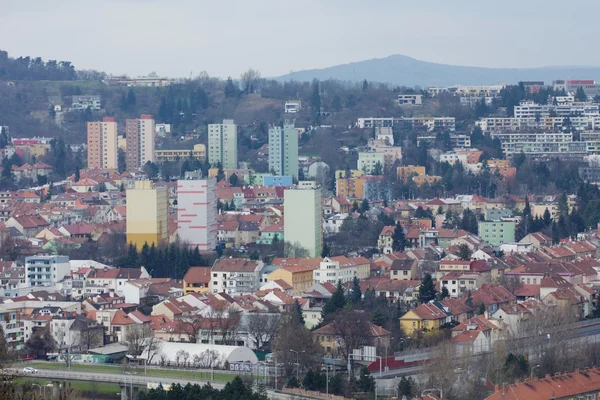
point(147, 213)
point(102, 144)
point(140, 142)
point(303, 213)
point(283, 150)
point(197, 213)
point(222, 144)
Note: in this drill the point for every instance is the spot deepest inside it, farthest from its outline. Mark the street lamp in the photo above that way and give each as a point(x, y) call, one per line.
point(532, 369)
point(35, 384)
point(297, 364)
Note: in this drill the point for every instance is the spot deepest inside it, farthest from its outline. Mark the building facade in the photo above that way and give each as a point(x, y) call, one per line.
point(102, 144)
point(140, 142)
point(147, 208)
point(197, 153)
point(283, 150)
point(496, 233)
point(303, 212)
point(45, 270)
point(197, 213)
point(222, 144)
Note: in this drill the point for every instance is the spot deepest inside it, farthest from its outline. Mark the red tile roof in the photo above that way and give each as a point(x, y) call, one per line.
point(558, 386)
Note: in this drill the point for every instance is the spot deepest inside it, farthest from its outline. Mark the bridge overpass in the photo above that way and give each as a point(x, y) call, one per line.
point(129, 384)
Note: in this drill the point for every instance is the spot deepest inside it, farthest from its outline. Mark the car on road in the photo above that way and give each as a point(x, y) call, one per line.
point(29, 370)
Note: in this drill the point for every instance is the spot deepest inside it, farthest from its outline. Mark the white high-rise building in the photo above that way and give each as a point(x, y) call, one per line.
point(222, 144)
point(283, 150)
point(197, 213)
point(303, 210)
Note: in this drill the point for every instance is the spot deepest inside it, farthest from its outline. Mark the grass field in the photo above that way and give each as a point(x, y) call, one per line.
point(163, 373)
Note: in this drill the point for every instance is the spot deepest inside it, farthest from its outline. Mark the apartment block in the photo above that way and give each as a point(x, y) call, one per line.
point(102, 144)
point(197, 153)
point(410, 99)
point(283, 150)
point(140, 142)
point(496, 233)
point(197, 213)
point(406, 172)
point(46, 270)
point(83, 102)
point(368, 161)
point(417, 123)
point(147, 208)
point(303, 208)
point(222, 144)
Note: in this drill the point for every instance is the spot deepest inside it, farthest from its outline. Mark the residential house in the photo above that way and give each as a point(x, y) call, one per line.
point(333, 344)
point(426, 316)
point(406, 269)
point(235, 275)
point(490, 298)
point(197, 280)
point(386, 239)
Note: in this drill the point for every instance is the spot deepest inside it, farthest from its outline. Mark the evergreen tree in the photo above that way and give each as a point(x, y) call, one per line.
point(77, 174)
point(335, 303)
point(315, 102)
point(563, 205)
point(406, 387)
point(364, 206)
point(547, 217)
point(297, 315)
point(399, 240)
point(555, 234)
point(580, 94)
point(427, 289)
point(379, 318)
point(326, 250)
point(355, 294)
point(366, 383)
point(230, 89)
point(443, 293)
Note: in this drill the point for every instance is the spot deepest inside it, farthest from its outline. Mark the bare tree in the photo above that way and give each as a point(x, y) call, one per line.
point(292, 335)
point(208, 359)
point(294, 250)
point(192, 326)
point(181, 357)
point(351, 331)
point(224, 321)
point(136, 339)
point(262, 328)
point(250, 80)
point(90, 337)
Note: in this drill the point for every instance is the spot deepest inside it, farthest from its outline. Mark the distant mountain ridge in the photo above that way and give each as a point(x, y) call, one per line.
point(403, 70)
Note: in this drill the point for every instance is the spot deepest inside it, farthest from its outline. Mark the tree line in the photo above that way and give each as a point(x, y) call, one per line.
point(29, 68)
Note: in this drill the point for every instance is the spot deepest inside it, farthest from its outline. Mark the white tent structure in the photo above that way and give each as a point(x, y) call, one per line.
point(200, 355)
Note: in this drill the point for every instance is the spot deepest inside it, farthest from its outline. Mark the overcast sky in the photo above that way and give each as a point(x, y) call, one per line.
point(225, 37)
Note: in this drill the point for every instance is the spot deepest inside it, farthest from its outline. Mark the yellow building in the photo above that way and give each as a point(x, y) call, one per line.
point(147, 208)
point(196, 280)
point(425, 316)
point(38, 150)
point(538, 210)
point(405, 172)
point(122, 142)
point(300, 277)
point(426, 179)
point(351, 188)
point(198, 153)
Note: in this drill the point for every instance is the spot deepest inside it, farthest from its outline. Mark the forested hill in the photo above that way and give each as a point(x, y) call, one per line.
point(35, 69)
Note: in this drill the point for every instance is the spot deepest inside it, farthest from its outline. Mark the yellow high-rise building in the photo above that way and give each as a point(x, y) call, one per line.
point(147, 208)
